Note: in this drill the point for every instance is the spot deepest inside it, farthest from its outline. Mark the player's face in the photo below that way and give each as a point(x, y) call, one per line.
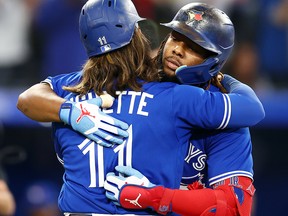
point(179, 50)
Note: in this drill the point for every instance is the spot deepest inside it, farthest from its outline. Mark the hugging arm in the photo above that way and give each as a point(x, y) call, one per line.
point(132, 190)
point(215, 110)
point(42, 104)
point(247, 110)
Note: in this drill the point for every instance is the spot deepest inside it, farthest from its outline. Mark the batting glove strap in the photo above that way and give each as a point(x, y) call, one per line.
point(165, 205)
point(65, 112)
point(137, 197)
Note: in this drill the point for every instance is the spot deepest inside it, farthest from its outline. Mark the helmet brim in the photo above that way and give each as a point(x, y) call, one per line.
point(192, 34)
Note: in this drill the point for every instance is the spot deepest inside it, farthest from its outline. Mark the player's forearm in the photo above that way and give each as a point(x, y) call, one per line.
point(40, 103)
point(164, 200)
point(196, 201)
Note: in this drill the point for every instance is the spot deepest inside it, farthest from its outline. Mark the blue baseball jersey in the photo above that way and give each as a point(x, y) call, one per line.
point(160, 117)
point(215, 155)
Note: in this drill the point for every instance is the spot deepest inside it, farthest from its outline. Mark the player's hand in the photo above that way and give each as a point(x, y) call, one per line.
point(230, 83)
point(135, 191)
point(87, 118)
point(127, 175)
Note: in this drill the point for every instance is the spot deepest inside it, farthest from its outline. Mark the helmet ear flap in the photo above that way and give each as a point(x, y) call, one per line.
point(216, 67)
point(197, 74)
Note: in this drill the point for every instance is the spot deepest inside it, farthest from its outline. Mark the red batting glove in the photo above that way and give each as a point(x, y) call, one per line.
point(137, 197)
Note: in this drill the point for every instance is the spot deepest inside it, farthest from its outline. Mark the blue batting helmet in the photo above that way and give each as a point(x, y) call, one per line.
point(211, 29)
point(106, 25)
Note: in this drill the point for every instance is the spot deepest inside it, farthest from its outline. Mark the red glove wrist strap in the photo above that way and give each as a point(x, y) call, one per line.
point(165, 205)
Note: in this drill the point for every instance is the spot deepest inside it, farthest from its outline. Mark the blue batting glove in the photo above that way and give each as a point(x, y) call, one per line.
point(113, 183)
point(87, 118)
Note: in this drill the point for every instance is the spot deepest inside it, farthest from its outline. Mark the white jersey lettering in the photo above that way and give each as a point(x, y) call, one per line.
point(133, 106)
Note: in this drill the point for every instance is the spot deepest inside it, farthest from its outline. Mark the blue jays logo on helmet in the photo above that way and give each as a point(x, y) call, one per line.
point(107, 25)
point(211, 29)
point(194, 15)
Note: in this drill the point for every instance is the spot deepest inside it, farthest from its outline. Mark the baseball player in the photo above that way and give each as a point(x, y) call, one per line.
point(159, 116)
point(218, 160)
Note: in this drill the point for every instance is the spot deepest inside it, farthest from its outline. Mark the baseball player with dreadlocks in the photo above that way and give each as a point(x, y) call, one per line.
point(159, 116)
point(220, 161)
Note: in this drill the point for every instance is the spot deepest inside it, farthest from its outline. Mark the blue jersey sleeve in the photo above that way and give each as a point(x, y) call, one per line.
point(58, 82)
point(198, 107)
point(247, 108)
point(215, 110)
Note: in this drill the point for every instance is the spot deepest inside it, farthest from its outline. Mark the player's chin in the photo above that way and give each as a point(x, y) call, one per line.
point(169, 71)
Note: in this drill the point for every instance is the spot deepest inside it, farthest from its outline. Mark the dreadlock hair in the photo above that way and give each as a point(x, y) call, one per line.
point(215, 80)
point(126, 68)
point(157, 60)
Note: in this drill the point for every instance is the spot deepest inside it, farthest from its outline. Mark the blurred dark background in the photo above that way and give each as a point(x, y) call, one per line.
point(40, 38)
